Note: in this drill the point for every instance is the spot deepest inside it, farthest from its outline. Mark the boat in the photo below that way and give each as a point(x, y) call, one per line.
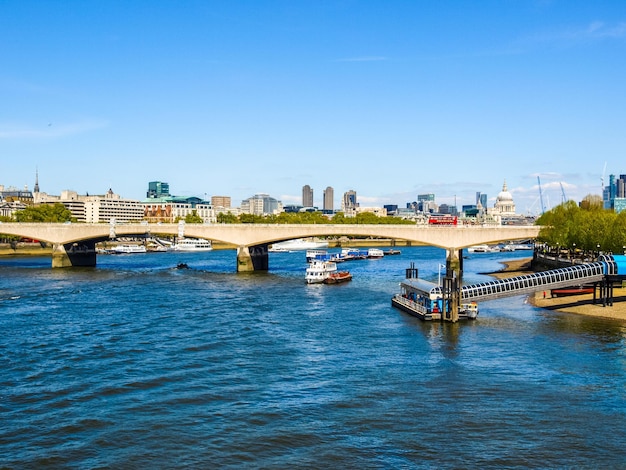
point(482, 249)
point(316, 254)
point(424, 299)
point(127, 249)
point(572, 291)
point(348, 254)
point(391, 251)
point(299, 244)
point(338, 277)
point(318, 271)
point(375, 253)
point(192, 244)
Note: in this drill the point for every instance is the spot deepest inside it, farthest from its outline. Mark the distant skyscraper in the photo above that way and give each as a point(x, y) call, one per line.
point(158, 189)
point(307, 196)
point(349, 201)
point(329, 197)
point(482, 198)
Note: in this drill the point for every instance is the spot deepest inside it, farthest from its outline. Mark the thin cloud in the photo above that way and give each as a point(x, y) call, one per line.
point(49, 130)
point(594, 31)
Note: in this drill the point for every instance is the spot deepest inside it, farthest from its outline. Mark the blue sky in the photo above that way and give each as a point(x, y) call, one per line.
point(388, 98)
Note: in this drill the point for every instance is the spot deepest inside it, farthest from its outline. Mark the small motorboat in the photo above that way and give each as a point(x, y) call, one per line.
point(338, 277)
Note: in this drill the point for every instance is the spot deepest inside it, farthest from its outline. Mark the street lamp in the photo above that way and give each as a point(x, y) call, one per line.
point(439, 278)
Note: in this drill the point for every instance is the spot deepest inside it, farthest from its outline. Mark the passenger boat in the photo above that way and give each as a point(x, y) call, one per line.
point(348, 254)
point(391, 251)
point(424, 300)
point(192, 244)
point(338, 277)
point(375, 253)
point(127, 249)
point(299, 244)
point(318, 271)
point(482, 249)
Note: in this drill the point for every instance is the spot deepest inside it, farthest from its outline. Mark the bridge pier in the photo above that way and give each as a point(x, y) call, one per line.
point(66, 255)
point(252, 258)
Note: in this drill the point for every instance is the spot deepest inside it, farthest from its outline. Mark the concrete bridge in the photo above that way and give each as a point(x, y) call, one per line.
point(74, 244)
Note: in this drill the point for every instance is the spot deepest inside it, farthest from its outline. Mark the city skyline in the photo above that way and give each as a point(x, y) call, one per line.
point(390, 100)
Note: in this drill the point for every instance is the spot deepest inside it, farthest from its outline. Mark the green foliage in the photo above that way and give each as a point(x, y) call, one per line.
point(310, 218)
point(570, 226)
point(228, 218)
point(45, 213)
point(193, 218)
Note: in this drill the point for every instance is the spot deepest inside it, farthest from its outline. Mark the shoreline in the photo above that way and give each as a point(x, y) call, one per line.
point(576, 304)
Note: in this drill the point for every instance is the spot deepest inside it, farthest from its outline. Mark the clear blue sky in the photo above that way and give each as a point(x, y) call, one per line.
point(389, 98)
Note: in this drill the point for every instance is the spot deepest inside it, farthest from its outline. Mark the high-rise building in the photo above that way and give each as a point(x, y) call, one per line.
point(307, 196)
point(158, 189)
point(482, 198)
point(261, 204)
point(329, 197)
point(349, 203)
point(614, 195)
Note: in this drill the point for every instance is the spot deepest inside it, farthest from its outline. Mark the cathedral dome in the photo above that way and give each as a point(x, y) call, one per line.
point(504, 202)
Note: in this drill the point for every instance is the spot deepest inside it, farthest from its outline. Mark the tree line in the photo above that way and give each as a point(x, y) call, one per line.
point(586, 227)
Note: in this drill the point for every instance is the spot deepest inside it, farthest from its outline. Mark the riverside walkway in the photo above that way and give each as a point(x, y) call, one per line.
point(74, 244)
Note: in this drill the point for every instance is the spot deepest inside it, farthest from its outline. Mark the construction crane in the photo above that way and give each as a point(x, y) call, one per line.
point(543, 208)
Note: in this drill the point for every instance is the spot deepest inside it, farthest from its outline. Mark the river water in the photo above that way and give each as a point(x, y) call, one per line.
point(134, 364)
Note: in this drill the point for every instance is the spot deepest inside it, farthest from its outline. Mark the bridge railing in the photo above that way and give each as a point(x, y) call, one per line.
point(526, 284)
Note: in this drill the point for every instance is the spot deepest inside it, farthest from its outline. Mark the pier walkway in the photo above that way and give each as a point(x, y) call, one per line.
point(608, 268)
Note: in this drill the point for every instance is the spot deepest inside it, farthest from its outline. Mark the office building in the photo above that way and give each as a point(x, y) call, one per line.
point(329, 200)
point(307, 196)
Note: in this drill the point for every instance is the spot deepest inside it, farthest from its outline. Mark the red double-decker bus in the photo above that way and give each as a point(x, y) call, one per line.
point(443, 219)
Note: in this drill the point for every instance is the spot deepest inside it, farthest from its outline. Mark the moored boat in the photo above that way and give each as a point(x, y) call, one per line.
point(338, 277)
point(318, 271)
point(424, 299)
point(127, 249)
point(192, 244)
point(375, 253)
point(299, 244)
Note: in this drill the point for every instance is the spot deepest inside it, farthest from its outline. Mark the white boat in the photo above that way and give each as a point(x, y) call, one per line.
point(299, 244)
point(192, 244)
point(482, 249)
point(375, 253)
point(127, 249)
point(318, 271)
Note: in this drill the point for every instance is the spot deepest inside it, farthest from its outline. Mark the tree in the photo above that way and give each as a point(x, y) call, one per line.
point(45, 213)
point(193, 218)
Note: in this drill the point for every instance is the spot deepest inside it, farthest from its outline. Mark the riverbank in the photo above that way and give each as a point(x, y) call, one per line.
point(577, 304)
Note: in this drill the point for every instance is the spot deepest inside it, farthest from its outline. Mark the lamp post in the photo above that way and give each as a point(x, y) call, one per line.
point(598, 249)
point(439, 278)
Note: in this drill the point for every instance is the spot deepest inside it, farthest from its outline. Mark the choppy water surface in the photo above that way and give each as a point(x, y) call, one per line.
point(135, 364)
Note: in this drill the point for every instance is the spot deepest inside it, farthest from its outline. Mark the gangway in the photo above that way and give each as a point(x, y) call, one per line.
point(607, 267)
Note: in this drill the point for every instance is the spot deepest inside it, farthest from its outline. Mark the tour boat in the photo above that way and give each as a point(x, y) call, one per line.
point(318, 271)
point(375, 253)
point(192, 244)
point(299, 244)
point(127, 249)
